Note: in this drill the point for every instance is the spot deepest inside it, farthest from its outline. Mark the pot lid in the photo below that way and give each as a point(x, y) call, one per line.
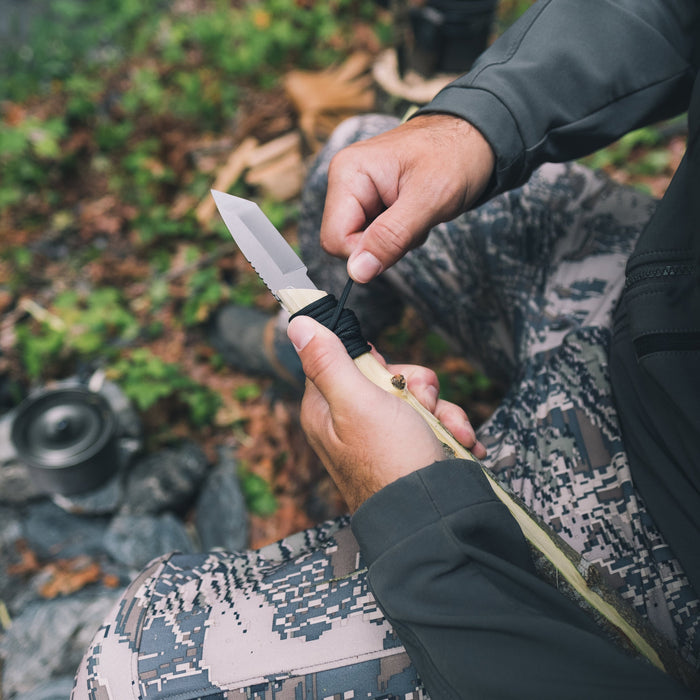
point(62, 427)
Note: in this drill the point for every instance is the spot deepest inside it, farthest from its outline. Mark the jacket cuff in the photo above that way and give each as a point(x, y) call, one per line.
point(416, 501)
point(496, 123)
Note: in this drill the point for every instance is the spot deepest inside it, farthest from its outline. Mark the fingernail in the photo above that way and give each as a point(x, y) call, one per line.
point(434, 393)
point(300, 331)
point(364, 267)
point(479, 451)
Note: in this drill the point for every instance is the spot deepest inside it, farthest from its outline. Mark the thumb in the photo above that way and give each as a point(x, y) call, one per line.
point(387, 239)
point(325, 361)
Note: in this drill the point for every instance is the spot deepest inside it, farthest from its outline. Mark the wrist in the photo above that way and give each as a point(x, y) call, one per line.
point(468, 148)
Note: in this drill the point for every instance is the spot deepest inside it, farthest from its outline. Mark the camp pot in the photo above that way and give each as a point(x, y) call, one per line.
point(67, 439)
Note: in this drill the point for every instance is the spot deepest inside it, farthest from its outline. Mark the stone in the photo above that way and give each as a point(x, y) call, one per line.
point(134, 540)
point(56, 689)
point(166, 480)
point(16, 483)
point(55, 534)
point(220, 517)
point(10, 532)
point(100, 501)
point(48, 640)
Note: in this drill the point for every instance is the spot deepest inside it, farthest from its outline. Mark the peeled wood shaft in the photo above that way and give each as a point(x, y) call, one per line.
point(567, 563)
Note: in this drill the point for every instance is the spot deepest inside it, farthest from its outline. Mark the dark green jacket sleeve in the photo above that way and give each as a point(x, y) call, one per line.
point(574, 75)
point(453, 574)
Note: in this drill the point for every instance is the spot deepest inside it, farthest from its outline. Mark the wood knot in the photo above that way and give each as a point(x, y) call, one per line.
point(398, 381)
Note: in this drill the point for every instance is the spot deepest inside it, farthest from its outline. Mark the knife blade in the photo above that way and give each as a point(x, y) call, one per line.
point(262, 244)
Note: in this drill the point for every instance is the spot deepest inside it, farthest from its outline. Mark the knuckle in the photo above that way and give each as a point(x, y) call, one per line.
point(393, 237)
point(318, 365)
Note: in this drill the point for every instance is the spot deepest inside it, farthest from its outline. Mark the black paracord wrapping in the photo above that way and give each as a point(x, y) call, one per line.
point(347, 328)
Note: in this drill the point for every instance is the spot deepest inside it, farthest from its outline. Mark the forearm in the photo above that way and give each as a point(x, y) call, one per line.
point(452, 572)
point(570, 77)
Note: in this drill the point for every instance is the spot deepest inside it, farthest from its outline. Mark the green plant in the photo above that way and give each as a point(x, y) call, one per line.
point(619, 153)
point(259, 498)
point(280, 213)
point(146, 379)
point(77, 327)
point(29, 152)
point(72, 36)
point(247, 392)
point(247, 288)
point(205, 293)
point(458, 387)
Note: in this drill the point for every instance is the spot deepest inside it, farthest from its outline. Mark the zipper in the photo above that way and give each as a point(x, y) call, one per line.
point(659, 271)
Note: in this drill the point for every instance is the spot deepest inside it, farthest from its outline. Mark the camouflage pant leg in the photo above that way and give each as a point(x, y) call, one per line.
point(294, 620)
point(525, 286)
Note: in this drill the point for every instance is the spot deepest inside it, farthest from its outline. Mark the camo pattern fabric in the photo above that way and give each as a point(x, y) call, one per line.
point(524, 286)
point(292, 621)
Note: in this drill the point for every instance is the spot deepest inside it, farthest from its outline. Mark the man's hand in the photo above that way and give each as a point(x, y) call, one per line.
point(386, 193)
point(366, 437)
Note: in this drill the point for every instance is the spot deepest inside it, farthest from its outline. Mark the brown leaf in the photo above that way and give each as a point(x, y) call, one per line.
point(13, 114)
point(324, 98)
point(227, 176)
point(280, 179)
point(28, 561)
point(68, 576)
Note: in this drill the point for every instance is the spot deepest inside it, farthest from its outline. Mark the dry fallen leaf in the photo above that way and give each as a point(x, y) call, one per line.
point(67, 576)
point(325, 98)
point(280, 179)
point(227, 176)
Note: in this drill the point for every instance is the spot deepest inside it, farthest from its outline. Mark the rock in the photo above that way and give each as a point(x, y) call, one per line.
point(127, 416)
point(10, 532)
point(166, 480)
point(100, 501)
point(221, 517)
point(54, 534)
point(56, 689)
point(48, 640)
point(134, 540)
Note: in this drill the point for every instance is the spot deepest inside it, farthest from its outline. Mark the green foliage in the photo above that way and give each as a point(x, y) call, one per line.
point(78, 325)
point(20, 260)
point(619, 153)
point(246, 290)
point(248, 392)
point(458, 387)
point(146, 379)
point(27, 152)
point(509, 11)
point(257, 493)
point(68, 37)
point(205, 293)
point(280, 214)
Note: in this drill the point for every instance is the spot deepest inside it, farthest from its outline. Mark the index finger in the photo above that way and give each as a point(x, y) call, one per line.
point(352, 202)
